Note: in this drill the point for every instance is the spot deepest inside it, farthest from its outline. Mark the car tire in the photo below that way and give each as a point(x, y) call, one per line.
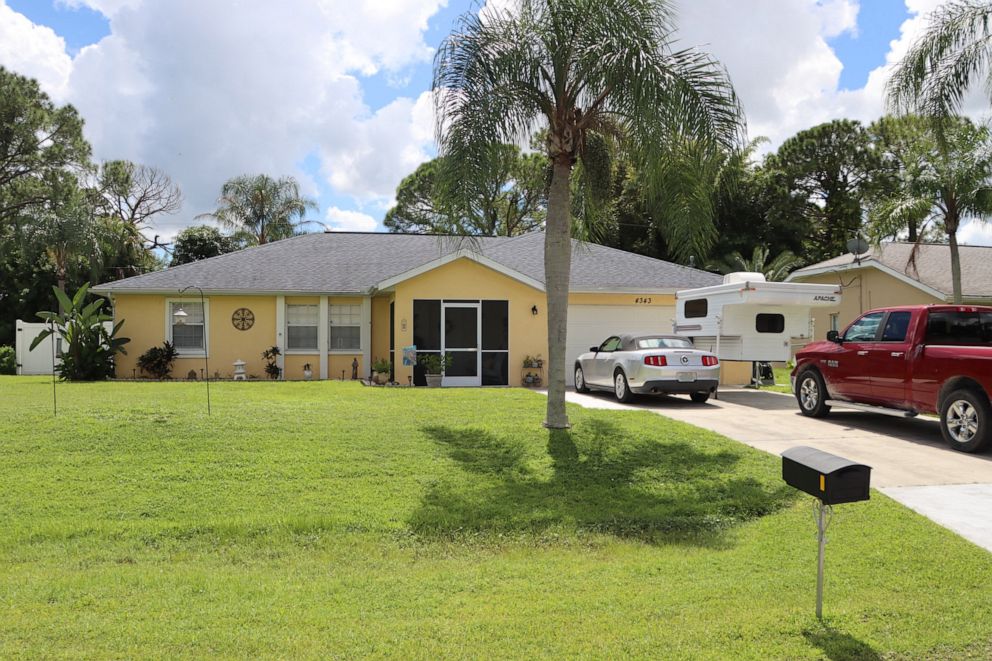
point(811, 393)
point(966, 420)
point(621, 388)
point(700, 397)
point(580, 380)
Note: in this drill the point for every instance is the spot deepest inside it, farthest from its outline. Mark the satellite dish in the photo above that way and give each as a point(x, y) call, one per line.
point(857, 246)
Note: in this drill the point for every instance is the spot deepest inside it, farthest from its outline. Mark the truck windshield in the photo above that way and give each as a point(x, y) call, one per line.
point(960, 328)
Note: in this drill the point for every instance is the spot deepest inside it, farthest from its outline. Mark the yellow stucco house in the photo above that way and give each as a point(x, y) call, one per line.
point(896, 274)
point(335, 299)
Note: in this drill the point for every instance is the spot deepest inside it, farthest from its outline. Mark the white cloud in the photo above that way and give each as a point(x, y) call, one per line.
point(344, 220)
point(207, 90)
point(975, 234)
point(33, 50)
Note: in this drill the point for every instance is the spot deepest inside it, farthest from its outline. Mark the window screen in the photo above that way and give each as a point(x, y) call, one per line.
point(346, 327)
point(301, 327)
point(697, 308)
point(188, 335)
point(769, 323)
point(427, 325)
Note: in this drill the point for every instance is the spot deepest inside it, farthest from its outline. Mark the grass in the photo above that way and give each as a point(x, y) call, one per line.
point(326, 520)
point(782, 381)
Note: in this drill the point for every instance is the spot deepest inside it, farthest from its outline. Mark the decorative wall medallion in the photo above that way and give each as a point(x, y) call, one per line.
point(243, 319)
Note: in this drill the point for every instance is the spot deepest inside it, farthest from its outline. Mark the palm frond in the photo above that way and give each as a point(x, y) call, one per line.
point(943, 64)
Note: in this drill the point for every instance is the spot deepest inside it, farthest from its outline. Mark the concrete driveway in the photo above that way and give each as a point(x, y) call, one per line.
point(909, 459)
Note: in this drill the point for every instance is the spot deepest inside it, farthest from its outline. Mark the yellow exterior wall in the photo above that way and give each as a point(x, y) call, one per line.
point(380, 327)
point(469, 280)
point(657, 300)
point(863, 290)
point(145, 323)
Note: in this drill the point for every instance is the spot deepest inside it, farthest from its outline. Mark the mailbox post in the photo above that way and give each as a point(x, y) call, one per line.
point(831, 480)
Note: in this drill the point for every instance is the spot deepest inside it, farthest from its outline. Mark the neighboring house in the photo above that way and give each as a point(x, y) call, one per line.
point(330, 299)
point(895, 274)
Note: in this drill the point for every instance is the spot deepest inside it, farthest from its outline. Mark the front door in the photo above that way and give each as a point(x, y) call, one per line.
point(461, 339)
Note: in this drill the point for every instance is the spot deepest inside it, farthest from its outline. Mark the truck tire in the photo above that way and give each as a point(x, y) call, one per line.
point(966, 420)
point(811, 393)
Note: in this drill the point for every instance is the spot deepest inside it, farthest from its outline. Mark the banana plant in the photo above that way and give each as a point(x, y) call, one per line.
point(88, 349)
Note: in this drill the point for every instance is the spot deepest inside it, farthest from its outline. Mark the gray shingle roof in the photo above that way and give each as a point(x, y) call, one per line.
point(931, 266)
point(355, 262)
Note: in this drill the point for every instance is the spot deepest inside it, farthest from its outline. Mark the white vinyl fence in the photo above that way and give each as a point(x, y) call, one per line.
point(38, 361)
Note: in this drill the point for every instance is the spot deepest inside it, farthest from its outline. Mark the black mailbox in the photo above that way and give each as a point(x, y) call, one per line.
point(830, 478)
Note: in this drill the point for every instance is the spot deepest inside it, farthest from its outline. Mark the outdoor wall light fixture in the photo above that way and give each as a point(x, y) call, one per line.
point(533, 310)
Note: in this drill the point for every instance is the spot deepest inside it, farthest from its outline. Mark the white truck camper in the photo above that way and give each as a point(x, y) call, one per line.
point(749, 319)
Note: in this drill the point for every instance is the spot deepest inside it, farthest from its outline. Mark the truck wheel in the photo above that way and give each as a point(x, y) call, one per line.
point(700, 397)
point(811, 393)
point(966, 420)
point(621, 388)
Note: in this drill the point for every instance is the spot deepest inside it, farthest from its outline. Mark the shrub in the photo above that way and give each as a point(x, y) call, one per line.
point(382, 365)
point(88, 349)
point(8, 360)
point(157, 361)
point(270, 355)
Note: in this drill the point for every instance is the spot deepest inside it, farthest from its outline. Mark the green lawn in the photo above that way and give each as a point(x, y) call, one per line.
point(782, 381)
point(328, 520)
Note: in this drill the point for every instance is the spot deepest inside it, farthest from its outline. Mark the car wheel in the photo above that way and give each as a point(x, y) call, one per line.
point(811, 393)
point(700, 397)
point(966, 420)
point(621, 388)
point(580, 380)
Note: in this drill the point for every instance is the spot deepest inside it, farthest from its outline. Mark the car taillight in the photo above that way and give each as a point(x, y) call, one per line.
point(655, 361)
point(710, 361)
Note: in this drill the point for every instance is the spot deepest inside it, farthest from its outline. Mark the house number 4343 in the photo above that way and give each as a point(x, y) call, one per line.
point(642, 300)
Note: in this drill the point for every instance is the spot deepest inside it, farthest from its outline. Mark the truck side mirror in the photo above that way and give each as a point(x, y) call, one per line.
point(834, 336)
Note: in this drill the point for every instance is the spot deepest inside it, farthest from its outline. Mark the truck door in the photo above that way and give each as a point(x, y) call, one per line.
point(847, 372)
point(889, 360)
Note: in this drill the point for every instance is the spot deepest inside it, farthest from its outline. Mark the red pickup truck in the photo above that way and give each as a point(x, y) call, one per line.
point(907, 360)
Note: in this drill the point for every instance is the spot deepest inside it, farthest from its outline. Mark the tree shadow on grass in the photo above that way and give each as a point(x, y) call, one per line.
point(840, 646)
point(597, 478)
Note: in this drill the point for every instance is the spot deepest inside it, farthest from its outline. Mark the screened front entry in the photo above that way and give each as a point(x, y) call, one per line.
point(473, 334)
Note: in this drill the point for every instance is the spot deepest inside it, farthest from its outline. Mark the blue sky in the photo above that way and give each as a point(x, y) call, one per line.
point(338, 98)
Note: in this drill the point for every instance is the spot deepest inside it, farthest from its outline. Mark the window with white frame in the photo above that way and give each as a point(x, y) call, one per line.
point(187, 332)
point(346, 327)
point(301, 327)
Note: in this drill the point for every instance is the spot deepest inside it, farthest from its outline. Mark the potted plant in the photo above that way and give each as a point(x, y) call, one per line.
point(434, 365)
point(533, 362)
point(271, 355)
point(380, 371)
point(307, 372)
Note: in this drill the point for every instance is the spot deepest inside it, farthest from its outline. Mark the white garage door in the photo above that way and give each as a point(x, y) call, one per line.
point(589, 325)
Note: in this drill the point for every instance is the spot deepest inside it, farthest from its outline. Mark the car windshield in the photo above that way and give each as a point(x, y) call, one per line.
point(663, 343)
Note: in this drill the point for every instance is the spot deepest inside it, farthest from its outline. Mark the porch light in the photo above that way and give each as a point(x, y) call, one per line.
point(533, 310)
point(180, 316)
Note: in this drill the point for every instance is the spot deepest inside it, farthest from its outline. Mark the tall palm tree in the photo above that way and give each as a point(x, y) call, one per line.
point(584, 71)
point(945, 61)
point(260, 209)
point(951, 182)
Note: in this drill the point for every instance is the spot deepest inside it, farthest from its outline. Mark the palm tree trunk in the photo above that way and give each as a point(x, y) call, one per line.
point(557, 267)
point(952, 236)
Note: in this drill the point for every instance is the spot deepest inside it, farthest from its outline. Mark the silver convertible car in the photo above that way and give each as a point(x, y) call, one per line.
point(648, 365)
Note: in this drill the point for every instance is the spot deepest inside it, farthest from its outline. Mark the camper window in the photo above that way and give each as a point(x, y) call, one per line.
point(769, 323)
point(696, 308)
